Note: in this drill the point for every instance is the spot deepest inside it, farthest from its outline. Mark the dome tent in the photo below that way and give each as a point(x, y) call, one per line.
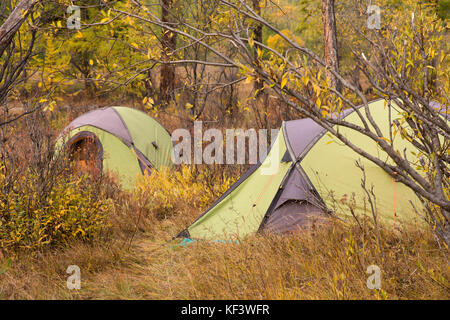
point(312, 177)
point(123, 141)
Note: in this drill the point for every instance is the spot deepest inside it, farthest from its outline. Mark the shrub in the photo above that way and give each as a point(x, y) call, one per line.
point(167, 192)
point(68, 211)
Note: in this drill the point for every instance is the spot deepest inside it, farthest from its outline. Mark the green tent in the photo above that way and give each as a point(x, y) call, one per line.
point(126, 142)
point(306, 175)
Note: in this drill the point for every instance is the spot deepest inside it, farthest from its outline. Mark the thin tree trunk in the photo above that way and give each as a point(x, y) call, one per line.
point(330, 42)
point(169, 40)
point(9, 28)
point(257, 32)
point(356, 77)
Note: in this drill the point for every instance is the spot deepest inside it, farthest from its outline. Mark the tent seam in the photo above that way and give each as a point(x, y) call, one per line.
point(296, 163)
point(132, 142)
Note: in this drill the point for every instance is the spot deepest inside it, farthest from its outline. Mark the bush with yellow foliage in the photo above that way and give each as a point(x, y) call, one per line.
point(167, 193)
point(69, 211)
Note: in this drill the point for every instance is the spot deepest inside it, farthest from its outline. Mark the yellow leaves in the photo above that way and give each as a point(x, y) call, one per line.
point(23, 12)
point(170, 191)
point(318, 102)
point(68, 211)
point(130, 21)
point(431, 52)
point(91, 62)
point(79, 230)
point(284, 81)
point(259, 52)
point(148, 102)
point(305, 80)
point(50, 106)
point(385, 139)
point(149, 53)
point(78, 35)
point(244, 69)
point(278, 43)
point(316, 88)
point(251, 42)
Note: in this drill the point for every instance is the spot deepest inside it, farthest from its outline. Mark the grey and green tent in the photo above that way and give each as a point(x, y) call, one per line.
point(306, 175)
point(128, 142)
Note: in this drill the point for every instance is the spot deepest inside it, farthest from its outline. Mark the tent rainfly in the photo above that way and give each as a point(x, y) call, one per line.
point(306, 175)
point(121, 140)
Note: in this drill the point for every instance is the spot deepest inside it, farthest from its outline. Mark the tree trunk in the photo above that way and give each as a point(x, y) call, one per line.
point(330, 42)
point(257, 32)
point(9, 28)
point(169, 40)
point(356, 77)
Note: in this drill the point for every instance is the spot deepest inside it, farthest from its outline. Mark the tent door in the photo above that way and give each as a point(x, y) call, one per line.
point(85, 153)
